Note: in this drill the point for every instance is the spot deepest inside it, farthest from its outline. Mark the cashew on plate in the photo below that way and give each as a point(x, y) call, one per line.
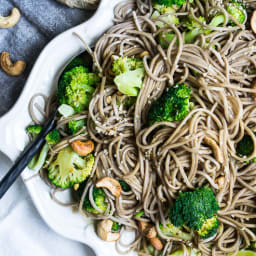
point(111, 184)
point(12, 69)
point(10, 21)
point(104, 231)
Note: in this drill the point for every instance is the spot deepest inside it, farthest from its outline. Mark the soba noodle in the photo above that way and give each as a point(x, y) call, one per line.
point(168, 157)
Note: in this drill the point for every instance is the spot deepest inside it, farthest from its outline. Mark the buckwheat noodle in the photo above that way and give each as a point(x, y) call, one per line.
point(168, 157)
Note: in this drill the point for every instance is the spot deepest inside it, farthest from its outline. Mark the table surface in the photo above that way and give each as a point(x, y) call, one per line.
point(22, 231)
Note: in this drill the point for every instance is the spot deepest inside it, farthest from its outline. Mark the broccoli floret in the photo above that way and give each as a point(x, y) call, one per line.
point(191, 252)
point(195, 29)
point(116, 226)
point(173, 105)
point(69, 168)
point(125, 186)
point(237, 11)
point(75, 125)
point(168, 18)
point(169, 2)
point(53, 137)
point(124, 64)
point(165, 39)
point(139, 214)
point(245, 147)
point(129, 75)
point(173, 231)
point(76, 88)
point(196, 210)
point(99, 198)
point(34, 130)
point(209, 228)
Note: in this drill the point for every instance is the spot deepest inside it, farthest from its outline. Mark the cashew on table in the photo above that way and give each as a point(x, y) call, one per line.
point(12, 69)
point(10, 21)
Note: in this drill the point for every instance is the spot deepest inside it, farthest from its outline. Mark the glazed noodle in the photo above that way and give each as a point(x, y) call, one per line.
point(163, 159)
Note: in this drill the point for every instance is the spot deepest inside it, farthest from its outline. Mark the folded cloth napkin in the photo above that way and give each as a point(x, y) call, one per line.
point(22, 231)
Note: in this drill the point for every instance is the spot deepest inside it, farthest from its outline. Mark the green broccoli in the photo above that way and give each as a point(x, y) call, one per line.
point(179, 252)
point(197, 210)
point(51, 138)
point(195, 29)
point(34, 130)
point(173, 105)
point(139, 214)
point(237, 11)
point(75, 125)
point(124, 64)
point(125, 186)
point(165, 39)
point(168, 18)
point(173, 231)
point(170, 2)
point(69, 168)
point(116, 226)
point(99, 198)
point(209, 228)
point(76, 88)
point(245, 147)
point(129, 75)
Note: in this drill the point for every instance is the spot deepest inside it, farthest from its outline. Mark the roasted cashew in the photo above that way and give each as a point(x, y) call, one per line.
point(111, 184)
point(82, 148)
point(104, 231)
point(10, 21)
point(216, 149)
point(150, 232)
point(12, 69)
point(253, 21)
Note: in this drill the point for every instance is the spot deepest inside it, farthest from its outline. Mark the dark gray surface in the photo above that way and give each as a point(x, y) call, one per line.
point(41, 21)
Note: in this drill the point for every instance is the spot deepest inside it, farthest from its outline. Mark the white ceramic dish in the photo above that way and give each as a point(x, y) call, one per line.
point(13, 138)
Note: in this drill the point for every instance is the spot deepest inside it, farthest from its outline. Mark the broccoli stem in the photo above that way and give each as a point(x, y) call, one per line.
point(38, 160)
point(192, 35)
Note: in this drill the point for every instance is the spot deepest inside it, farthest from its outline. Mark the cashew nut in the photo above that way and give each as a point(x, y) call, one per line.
point(10, 21)
point(104, 231)
point(253, 21)
point(220, 181)
point(12, 69)
point(156, 242)
point(82, 148)
point(111, 184)
point(150, 232)
point(216, 149)
point(143, 225)
point(254, 87)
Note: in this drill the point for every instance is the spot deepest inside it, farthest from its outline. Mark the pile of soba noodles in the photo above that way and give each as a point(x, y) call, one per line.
point(166, 158)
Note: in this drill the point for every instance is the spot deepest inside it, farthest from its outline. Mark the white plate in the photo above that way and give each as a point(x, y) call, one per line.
point(13, 138)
